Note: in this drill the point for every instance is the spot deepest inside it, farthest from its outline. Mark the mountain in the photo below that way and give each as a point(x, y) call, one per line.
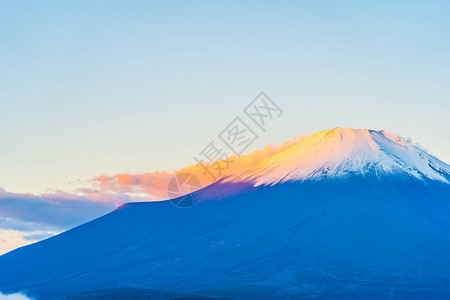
point(343, 214)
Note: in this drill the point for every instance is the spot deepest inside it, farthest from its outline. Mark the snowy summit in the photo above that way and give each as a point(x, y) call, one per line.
point(344, 152)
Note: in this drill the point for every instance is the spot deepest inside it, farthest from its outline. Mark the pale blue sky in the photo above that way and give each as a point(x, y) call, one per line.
point(92, 87)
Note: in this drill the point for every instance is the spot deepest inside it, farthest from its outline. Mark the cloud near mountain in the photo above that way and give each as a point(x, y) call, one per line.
point(154, 184)
point(26, 218)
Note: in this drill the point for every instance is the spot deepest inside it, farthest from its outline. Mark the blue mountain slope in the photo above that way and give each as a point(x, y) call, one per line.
point(357, 237)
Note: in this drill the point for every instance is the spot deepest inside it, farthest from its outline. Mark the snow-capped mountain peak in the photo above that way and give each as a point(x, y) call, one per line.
point(343, 152)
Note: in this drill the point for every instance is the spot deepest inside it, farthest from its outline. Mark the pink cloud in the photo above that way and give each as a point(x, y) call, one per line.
point(154, 184)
